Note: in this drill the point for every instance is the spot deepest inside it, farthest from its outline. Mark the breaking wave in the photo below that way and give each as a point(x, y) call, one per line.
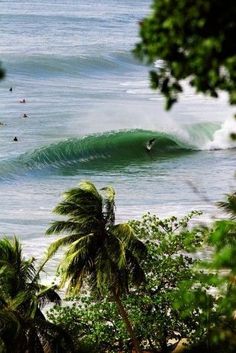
point(115, 148)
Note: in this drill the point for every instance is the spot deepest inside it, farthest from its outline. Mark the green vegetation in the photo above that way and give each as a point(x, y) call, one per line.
point(221, 329)
point(135, 286)
point(170, 262)
point(194, 42)
point(222, 240)
point(106, 255)
point(182, 296)
point(139, 285)
point(152, 306)
point(23, 327)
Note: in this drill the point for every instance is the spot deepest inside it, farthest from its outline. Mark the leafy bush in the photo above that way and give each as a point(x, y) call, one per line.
point(220, 327)
point(92, 322)
point(171, 263)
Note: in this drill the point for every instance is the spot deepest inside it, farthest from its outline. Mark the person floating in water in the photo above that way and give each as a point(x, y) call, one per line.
point(10, 89)
point(150, 144)
point(15, 139)
point(25, 115)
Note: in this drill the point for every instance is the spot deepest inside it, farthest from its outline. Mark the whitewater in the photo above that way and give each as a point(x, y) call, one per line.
point(90, 113)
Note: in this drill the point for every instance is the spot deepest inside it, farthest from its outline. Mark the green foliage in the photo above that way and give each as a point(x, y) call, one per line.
point(220, 326)
point(171, 245)
point(229, 205)
point(194, 41)
point(23, 327)
point(105, 254)
point(156, 314)
point(91, 321)
point(182, 296)
point(223, 241)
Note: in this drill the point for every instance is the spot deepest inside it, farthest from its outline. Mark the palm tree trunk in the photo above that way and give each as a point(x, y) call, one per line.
point(124, 315)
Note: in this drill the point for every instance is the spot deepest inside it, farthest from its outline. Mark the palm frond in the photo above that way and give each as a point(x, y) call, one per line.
point(70, 240)
point(89, 187)
point(135, 270)
point(124, 232)
point(48, 294)
point(9, 322)
point(115, 250)
point(77, 210)
point(101, 252)
point(15, 302)
point(71, 279)
point(82, 222)
point(78, 260)
point(53, 337)
point(27, 270)
point(68, 207)
point(62, 227)
point(86, 196)
point(10, 251)
point(54, 247)
point(103, 273)
point(21, 296)
point(230, 205)
point(75, 260)
point(83, 240)
point(18, 272)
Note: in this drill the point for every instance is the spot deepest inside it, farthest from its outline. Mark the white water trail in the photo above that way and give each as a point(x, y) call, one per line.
point(222, 138)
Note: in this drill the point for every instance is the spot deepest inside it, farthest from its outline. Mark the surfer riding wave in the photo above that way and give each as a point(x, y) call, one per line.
point(149, 145)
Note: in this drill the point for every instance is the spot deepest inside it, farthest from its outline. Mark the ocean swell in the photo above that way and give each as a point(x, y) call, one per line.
point(45, 65)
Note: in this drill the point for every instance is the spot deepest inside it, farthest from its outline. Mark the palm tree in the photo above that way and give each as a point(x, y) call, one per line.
point(107, 255)
point(23, 327)
point(229, 206)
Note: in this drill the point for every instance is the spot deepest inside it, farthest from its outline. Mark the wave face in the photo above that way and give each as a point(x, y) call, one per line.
point(114, 148)
point(45, 65)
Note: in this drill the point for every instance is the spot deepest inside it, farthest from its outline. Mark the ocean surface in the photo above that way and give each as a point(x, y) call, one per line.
point(90, 113)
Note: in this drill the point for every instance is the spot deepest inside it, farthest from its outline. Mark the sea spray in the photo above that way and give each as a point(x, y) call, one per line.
point(222, 137)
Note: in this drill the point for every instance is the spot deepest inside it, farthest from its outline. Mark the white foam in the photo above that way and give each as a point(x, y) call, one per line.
point(138, 91)
point(144, 83)
point(222, 137)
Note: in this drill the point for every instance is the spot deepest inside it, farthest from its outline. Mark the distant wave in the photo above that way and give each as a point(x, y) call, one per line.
point(115, 148)
point(84, 65)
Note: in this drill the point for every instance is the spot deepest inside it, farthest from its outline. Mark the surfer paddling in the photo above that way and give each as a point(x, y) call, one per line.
point(150, 144)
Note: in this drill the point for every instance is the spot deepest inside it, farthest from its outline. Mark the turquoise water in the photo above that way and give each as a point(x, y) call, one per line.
point(90, 114)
